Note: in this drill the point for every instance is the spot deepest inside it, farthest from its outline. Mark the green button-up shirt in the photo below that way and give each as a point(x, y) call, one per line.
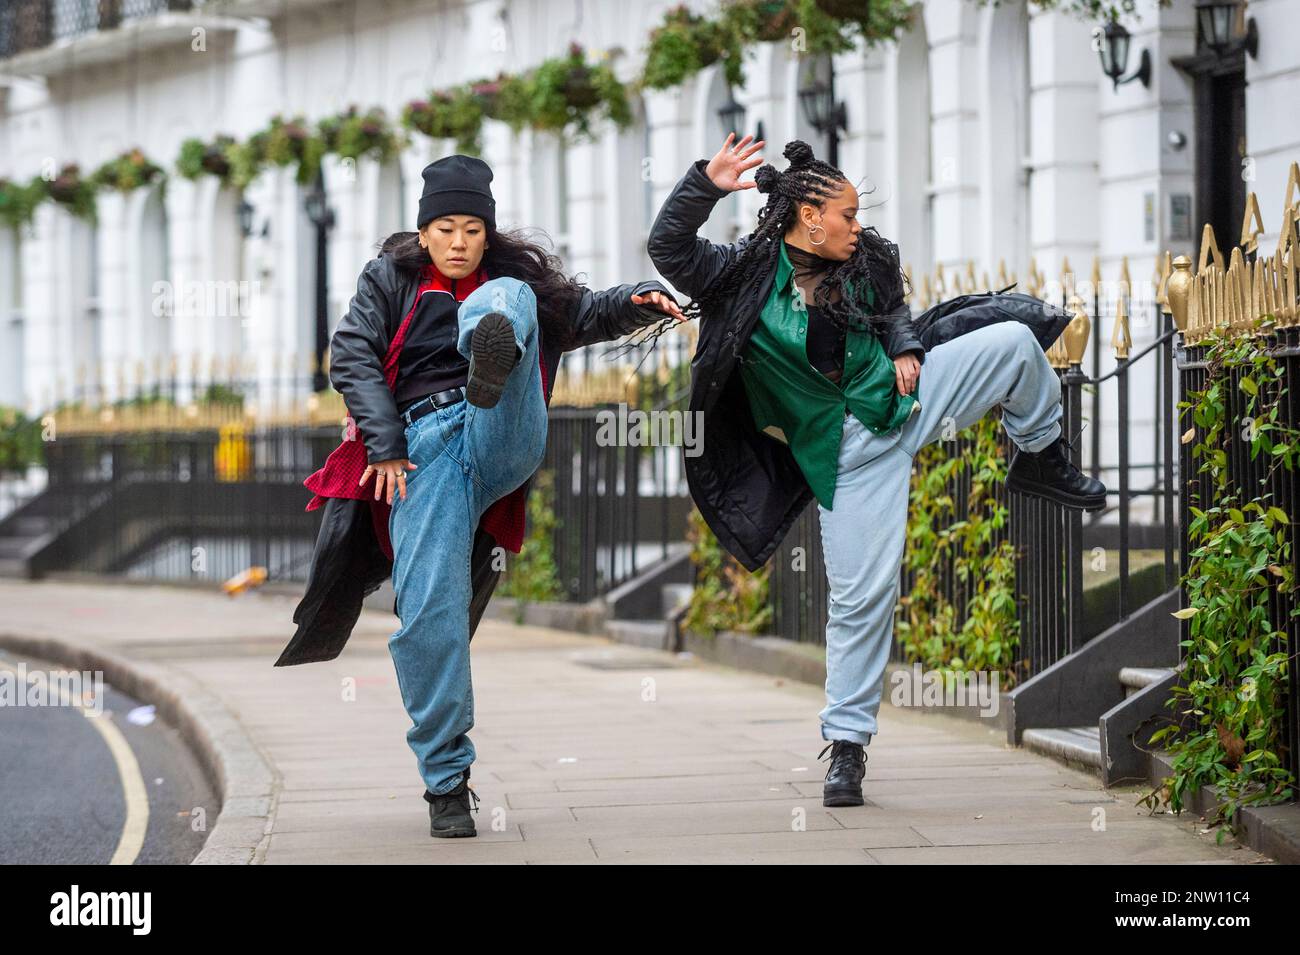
point(794, 402)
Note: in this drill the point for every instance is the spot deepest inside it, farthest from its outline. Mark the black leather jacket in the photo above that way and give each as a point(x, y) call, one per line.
point(385, 295)
point(747, 486)
point(348, 564)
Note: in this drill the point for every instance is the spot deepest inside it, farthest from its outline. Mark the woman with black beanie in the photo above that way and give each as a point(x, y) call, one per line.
point(446, 359)
point(812, 383)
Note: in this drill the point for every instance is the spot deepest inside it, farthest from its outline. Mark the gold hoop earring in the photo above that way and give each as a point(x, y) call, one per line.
point(810, 232)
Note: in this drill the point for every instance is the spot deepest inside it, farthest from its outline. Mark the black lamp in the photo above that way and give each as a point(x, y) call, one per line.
point(245, 218)
point(320, 214)
point(1113, 50)
point(1216, 21)
point(824, 114)
point(732, 116)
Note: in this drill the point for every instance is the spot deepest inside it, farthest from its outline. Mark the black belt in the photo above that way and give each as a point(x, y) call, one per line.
point(428, 403)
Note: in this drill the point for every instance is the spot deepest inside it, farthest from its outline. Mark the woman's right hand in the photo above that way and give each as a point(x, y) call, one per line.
point(725, 169)
point(391, 473)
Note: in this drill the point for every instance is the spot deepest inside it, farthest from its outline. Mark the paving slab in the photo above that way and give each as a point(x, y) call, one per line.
point(588, 752)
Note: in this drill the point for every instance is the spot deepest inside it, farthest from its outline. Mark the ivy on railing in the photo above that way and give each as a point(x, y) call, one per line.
point(532, 575)
point(937, 535)
point(726, 596)
point(1231, 698)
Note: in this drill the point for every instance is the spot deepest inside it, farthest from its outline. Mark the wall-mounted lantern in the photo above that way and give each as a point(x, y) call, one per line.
point(1114, 49)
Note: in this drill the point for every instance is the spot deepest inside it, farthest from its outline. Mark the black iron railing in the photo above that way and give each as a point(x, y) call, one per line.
point(202, 503)
point(1056, 547)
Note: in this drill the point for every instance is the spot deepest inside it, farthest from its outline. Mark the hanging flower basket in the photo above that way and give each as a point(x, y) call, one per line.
point(290, 142)
point(354, 134)
point(449, 114)
point(72, 191)
point(126, 173)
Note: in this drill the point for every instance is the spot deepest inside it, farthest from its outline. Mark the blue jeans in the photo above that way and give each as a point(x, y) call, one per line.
point(864, 533)
point(466, 458)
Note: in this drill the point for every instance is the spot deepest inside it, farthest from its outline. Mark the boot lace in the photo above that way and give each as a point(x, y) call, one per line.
point(843, 749)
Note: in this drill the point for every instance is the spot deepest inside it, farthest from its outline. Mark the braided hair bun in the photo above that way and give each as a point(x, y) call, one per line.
point(798, 152)
point(766, 178)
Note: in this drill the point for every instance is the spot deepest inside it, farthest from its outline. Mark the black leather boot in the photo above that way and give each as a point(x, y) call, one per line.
point(1050, 474)
point(843, 785)
point(493, 354)
point(449, 814)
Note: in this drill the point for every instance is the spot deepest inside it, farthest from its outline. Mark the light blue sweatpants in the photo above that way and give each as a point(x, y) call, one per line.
point(864, 532)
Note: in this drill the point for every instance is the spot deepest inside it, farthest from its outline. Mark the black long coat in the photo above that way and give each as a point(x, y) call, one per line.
point(348, 563)
point(748, 487)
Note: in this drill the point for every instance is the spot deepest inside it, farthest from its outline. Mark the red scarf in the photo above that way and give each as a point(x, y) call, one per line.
point(341, 474)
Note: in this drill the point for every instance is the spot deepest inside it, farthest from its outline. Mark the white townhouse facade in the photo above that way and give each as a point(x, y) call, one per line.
point(987, 134)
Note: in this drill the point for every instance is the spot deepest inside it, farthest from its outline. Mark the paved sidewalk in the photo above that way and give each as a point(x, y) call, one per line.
point(589, 751)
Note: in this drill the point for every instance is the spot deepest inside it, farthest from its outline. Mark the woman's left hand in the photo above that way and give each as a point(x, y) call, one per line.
point(906, 370)
point(665, 304)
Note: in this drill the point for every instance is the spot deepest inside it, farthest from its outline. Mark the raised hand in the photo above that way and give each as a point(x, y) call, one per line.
point(731, 161)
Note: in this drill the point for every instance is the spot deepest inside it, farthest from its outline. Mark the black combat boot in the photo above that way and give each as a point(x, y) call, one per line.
point(843, 785)
point(493, 354)
point(1050, 474)
point(449, 814)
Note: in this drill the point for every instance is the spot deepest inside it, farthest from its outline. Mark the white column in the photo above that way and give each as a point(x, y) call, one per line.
point(191, 276)
point(41, 342)
point(121, 372)
point(954, 131)
point(1063, 71)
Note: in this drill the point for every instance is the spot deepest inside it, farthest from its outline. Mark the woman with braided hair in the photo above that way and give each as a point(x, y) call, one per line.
point(811, 383)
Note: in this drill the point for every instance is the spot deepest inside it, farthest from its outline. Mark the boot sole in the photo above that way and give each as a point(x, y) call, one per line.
point(842, 797)
point(492, 357)
point(1058, 497)
point(452, 833)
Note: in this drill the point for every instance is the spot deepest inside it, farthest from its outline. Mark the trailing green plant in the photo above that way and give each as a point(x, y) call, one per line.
point(938, 537)
point(686, 43)
point(1230, 702)
point(726, 596)
point(456, 114)
point(18, 201)
point(71, 190)
point(509, 99)
point(126, 172)
point(533, 575)
point(293, 143)
point(353, 134)
point(21, 441)
point(570, 93)
point(246, 159)
point(198, 158)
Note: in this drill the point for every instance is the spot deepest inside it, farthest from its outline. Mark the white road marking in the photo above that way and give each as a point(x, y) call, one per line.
point(134, 792)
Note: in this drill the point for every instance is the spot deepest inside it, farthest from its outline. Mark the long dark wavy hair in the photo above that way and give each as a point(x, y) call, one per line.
point(842, 291)
point(515, 255)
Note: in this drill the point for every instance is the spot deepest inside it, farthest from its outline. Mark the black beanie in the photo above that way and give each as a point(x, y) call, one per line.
point(457, 185)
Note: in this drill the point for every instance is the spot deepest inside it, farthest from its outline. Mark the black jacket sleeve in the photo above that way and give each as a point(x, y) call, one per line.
point(610, 314)
point(899, 334)
point(357, 365)
point(689, 261)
